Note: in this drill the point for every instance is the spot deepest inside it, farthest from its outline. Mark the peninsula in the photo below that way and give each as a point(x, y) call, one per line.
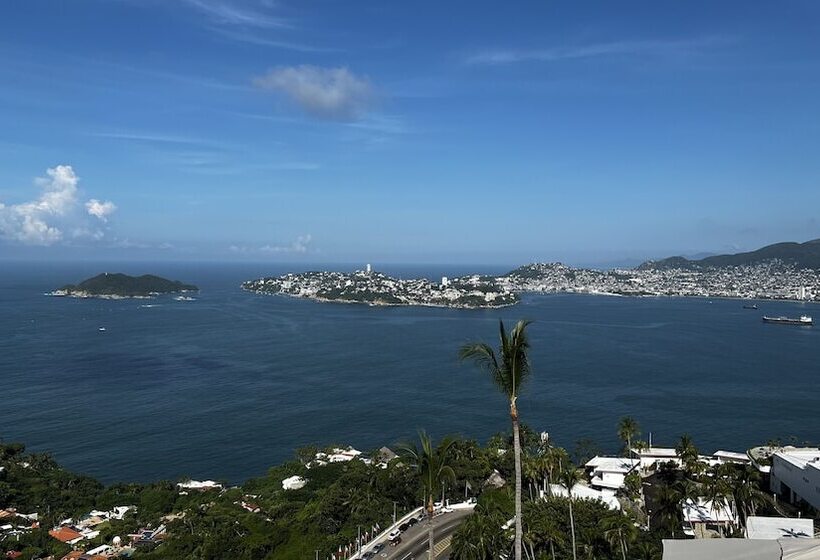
point(784, 271)
point(374, 288)
point(121, 286)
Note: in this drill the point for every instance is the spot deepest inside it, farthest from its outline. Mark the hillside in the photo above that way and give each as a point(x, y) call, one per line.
point(800, 255)
point(122, 285)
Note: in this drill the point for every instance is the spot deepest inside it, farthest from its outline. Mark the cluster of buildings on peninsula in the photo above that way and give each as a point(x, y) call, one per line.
point(772, 279)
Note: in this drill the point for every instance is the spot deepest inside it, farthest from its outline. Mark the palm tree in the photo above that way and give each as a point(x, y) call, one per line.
point(480, 537)
point(432, 466)
point(627, 429)
point(509, 369)
point(569, 477)
point(717, 491)
point(668, 510)
point(619, 531)
point(688, 453)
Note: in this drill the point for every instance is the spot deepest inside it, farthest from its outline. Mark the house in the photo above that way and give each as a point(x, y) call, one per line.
point(795, 475)
point(495, 480)
point(703, 515)
point(201, 486)
point(385, 455)
point(609, 472)
point(66, 534)
point(294, 483)
point(582, 492)
point(732, 457)
point(759, 527)
point(650, 457)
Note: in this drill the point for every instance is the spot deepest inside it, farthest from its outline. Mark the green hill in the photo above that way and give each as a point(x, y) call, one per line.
point(800, 255)
point(122, 285)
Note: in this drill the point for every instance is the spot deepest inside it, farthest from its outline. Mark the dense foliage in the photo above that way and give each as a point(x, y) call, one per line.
point(117, 284)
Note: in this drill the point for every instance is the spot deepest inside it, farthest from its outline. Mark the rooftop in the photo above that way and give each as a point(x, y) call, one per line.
point(613, 464)
point(801, 457)
point(758, 527)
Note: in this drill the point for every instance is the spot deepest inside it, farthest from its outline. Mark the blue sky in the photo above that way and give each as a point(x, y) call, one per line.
point(406, 132)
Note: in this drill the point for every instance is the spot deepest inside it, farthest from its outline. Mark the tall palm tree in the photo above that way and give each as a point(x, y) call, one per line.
point(717, 491)
point(509, 369)
point(620, 532)
point(688, 453)
point(628, 429)
point(432, 465)
point(569, 477)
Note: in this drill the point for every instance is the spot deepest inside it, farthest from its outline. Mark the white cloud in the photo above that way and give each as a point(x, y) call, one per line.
point(55, 214)
point(230, 13)
point(328, 93)
point(553, 54)
point(99, 209)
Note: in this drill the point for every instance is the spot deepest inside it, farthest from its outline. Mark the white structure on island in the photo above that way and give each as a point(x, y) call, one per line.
point(795, 474)
point(609, 472)
point(583, 492)
point(200, 485)
point(758, 527)
point(294, 483)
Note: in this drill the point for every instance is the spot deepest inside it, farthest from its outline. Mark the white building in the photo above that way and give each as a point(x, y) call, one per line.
point(294, 483)
point(445, 281)
point(609, 472)
point(650, 456)
point(581, 492)
point(704, 512)
point(758, 527)
point(795, 474)
point(368, 269)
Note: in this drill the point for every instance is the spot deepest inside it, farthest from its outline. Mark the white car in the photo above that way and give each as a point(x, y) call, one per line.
point(394, 535)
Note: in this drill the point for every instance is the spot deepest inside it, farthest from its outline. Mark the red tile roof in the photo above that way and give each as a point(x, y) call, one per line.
point(64, 534)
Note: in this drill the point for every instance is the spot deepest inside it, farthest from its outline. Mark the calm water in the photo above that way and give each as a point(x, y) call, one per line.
point(229, 384)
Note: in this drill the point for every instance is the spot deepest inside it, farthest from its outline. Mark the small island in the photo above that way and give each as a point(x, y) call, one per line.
point(121, 286)
point(374, 288)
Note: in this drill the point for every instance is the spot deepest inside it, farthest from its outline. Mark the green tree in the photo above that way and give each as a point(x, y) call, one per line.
point(569, 477)
point(627, 431)
point(433, 467)
point(508, 370)
point(688, 453)
point(620, 532)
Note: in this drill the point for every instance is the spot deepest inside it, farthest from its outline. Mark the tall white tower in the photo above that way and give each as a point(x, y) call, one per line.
point(368, 268)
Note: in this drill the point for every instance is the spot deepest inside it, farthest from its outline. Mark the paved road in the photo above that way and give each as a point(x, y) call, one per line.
point(414, 540)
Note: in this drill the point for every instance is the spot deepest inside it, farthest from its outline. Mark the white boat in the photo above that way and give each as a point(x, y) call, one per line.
point(101, 329)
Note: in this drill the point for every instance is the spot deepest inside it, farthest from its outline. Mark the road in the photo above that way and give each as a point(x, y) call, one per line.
point(414, 540)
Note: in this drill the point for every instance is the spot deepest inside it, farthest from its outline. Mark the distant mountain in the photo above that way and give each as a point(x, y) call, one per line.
point(800, 255)
point(122, 285)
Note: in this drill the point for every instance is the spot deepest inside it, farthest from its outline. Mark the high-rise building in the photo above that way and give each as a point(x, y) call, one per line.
point(445, 281)
point(368, 268)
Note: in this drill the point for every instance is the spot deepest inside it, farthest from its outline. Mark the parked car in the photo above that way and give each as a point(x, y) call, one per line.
point(378, 548)
point(368, 555)
point(395, 542)
point(403, 527)
point(412, 521)
point(394, 534)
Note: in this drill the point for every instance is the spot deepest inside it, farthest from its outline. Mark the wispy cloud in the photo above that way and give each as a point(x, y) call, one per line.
point(594, 50)
point(57, 214)
point(326, 93)
point(238, 14)
point(300, 245)
point(244, 36)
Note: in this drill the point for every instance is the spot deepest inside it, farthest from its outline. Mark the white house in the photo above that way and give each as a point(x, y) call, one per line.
point(582, 492)
point(795, 474)
point(758, 527)
point(609, 472)
point(704, 512)
point(650, 456)
point(294, 483)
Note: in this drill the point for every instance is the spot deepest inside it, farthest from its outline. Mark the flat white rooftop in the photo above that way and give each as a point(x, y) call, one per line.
point(613, 464)
point(758, 527)
point(801, 457)
point(656, 452)
point(703, 512)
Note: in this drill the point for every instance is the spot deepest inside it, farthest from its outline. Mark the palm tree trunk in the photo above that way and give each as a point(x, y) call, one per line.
point(572, 527)
point(430, 537)
point(552, 549)
point(517, 451)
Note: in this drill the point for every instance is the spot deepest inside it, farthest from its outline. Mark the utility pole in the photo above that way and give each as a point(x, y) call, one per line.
point(394, 512)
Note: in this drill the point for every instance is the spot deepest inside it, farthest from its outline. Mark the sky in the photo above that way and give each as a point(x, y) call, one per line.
point(417, 132)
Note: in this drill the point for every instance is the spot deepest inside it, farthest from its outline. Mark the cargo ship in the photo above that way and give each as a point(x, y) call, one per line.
point(804, 320)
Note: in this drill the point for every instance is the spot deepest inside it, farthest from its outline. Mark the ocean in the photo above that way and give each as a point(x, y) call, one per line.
point(232, 383)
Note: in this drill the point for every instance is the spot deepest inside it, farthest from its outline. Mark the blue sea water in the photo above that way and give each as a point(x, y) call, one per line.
point(225, 386)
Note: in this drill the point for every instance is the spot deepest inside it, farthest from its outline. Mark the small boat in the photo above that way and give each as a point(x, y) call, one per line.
point(803, 320)
point(753, 306)
point(101, 329)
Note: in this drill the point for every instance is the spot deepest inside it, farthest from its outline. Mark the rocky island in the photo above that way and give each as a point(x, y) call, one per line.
point(374, 288)
point(121, 286)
